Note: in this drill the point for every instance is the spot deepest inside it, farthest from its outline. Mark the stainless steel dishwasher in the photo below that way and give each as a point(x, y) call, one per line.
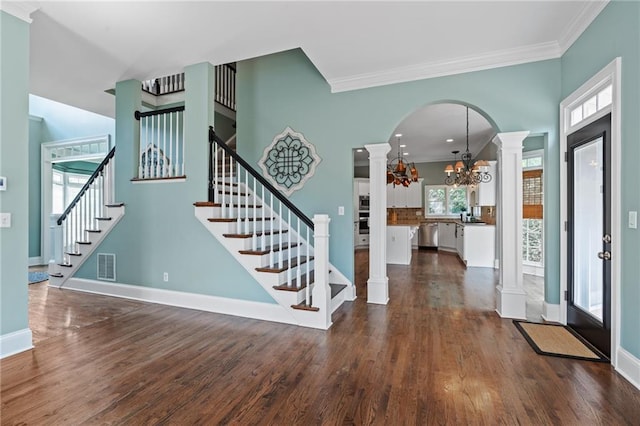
point(428, 235)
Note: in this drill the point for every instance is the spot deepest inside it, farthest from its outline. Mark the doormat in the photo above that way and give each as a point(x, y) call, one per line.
point(558, 340)
point(37, 277)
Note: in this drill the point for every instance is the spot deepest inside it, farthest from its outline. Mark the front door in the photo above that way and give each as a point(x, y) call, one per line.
point(589, 233)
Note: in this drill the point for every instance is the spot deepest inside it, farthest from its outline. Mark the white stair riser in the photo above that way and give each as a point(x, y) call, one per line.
point(274, 279)
point(258, 261)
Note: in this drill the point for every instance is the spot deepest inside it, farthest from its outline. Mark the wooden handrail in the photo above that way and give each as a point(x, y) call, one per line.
point(284, 200)
point(87, 185)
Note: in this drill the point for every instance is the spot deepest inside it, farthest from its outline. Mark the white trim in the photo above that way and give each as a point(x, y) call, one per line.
point(550, 312)
point(36, 261)
point(19, 9)
point(159, 180)
point(16, 342)
point(610, 72)
point(537, 271)
point(202, 302)
point(628, 367)
point(484, 61)
point(576, 27)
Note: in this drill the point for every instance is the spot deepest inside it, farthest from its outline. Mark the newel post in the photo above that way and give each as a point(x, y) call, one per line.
point(56, 244)
point(321, 290)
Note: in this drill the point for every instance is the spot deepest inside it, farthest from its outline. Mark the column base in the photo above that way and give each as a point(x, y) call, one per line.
point(378, 291)
point(551, 312)
point(511, 303)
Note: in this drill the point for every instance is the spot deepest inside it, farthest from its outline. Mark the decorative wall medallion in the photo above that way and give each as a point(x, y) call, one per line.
point(289, 161)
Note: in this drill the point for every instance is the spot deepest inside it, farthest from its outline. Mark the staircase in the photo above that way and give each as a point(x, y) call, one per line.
point(272, 239)
point(84, 224)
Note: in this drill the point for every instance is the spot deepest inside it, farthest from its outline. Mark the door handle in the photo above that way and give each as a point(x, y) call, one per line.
point(604, 255)
point(606, 239)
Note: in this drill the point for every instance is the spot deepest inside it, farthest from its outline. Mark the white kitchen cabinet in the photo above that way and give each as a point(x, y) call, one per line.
point(486, 192)
point(402, 197)
point(475, 245)
point(399, 243)
point(446, 236)
point(364, 187)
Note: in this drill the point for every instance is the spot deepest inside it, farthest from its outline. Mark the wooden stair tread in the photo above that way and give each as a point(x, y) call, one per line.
point(103, 218)
point(268, 249)
point(258, 234)
point(83, 242)
point(235, 219)
point(303, 307)
point(204, 204)
point(114, 205)
point(56, 275)
point(336, 289)
point(66, 265)
point(73, 253)
point(285, 265)
point(95, 231)
point(294, 283)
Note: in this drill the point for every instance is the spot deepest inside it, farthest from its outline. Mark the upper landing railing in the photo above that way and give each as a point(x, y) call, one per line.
point(225, 85)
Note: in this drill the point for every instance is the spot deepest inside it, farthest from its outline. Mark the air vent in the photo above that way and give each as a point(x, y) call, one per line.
point(107, 266)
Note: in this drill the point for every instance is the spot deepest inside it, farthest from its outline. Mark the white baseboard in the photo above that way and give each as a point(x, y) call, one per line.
point(629, 367)
point(550, 312)
point(36, 261)
point(202, 302)
point(537, 271)
point(16, 342)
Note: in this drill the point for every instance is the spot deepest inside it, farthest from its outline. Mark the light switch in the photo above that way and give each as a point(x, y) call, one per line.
point(340, 210)
point(633, 219)
point(5, 220)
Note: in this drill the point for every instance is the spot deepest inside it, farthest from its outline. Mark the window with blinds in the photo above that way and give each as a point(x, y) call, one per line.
point(532, 194)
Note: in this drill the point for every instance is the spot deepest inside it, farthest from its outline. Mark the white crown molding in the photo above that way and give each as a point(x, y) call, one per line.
point(496, 59)
point(581, 21)
point(19, 9)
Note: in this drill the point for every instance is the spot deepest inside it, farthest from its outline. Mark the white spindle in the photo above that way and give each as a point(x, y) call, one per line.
point(279, 235)
point(254, 238)
point(164, 143)
point(183, 144)
point(246, 202)
point(271, 260)
point(289, 245)
point(224, 184)
point(299, 270)
point(308, 270)
point(216, 196)
point(264, 213)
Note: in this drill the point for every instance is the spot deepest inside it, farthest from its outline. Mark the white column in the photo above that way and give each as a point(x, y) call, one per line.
point(321, 290)
point(378, 282)
point(510, 295)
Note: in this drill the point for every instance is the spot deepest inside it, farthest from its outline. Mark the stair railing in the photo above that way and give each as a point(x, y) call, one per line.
point(161, 152)
point(83, 212)
point(225, 85)
point(237, 188)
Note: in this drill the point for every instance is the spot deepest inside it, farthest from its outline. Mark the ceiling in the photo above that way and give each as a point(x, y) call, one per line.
point(80, 49)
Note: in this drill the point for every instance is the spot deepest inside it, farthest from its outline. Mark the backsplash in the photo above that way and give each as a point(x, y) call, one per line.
point(488, 215)
point(404, 215)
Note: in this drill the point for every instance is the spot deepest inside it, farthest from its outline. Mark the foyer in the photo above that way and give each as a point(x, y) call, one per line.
point(436, 354)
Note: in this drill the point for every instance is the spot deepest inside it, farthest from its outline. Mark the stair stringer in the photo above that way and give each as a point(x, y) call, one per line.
point(284, 298)
point(105, 226)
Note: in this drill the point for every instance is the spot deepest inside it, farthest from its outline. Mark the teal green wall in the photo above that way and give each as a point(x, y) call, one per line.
point(616, 32)
point(14, 156)
point(533, 143)
point(159, 232)
point(52, 121)
point(285, 89)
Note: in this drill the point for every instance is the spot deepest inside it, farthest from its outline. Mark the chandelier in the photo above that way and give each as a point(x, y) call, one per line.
point(397, 169)
point(463, 172)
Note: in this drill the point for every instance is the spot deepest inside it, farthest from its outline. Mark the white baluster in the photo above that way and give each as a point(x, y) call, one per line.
point(308, 267)
point(271, 236)
point(164, 144)
point(216, 196)
point(264, 212)
point(224, 183)
point(289, 250)
point(171, 162)
point(299, 270)
point(246, 202)
point(280, 236)
point(254, 238)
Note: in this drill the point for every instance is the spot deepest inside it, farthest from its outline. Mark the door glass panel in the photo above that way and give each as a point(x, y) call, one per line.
point(588, 219)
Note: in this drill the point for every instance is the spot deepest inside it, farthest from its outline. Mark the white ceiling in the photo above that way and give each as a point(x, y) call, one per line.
point(80, 49)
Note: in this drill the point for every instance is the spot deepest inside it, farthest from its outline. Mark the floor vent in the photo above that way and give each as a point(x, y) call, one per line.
point(107, 266)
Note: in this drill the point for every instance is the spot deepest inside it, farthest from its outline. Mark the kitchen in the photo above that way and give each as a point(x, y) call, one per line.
point(424, 212)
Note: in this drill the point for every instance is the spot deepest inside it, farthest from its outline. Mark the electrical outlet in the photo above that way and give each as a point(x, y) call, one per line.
point(5, 220)
point(633, 219)
point(340, 210)
point(165, 277)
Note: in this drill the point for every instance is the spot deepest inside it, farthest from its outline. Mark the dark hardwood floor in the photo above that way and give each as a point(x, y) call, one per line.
point(436, 354)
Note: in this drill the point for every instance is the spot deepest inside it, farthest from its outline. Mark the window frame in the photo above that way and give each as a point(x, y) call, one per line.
point(525, 156)
point(447, 190)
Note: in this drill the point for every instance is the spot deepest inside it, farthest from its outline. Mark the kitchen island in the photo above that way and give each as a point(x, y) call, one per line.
point(399, 243)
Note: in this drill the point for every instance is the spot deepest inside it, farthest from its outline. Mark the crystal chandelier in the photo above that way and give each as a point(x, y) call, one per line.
point(397, 169)
point(463, 172)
